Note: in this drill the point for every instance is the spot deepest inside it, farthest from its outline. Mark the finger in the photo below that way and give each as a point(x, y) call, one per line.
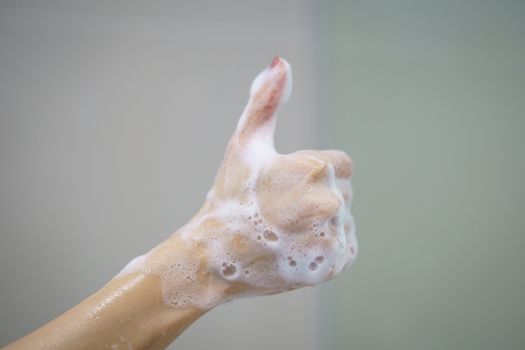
point(269, 90)
point(342, 163)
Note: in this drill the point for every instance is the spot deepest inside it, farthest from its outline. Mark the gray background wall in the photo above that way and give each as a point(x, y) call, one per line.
point(114, 117)
point(114, 120)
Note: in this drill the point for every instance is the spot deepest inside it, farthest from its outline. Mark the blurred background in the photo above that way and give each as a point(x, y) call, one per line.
point(114, 117)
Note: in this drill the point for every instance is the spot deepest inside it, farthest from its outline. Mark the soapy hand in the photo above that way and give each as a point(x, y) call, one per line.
point(270, 222)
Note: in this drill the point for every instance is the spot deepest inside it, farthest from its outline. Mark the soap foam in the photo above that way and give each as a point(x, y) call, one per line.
point(244, 248)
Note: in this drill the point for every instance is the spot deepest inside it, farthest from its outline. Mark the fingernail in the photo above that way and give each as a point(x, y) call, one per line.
point(274, 62)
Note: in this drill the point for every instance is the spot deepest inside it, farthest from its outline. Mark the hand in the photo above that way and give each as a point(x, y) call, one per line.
point(270, 223)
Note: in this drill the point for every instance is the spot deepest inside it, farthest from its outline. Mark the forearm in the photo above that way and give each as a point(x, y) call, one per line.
point(135, 309)
point(129, 310)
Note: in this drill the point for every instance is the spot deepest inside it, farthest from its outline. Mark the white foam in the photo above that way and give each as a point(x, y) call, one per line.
point(133, 265)
point(243, 246)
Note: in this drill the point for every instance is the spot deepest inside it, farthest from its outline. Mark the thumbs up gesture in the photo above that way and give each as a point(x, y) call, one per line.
point(270, 223)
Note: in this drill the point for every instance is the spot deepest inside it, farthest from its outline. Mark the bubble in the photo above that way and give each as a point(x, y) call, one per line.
point(319, 259)
point(321, 234)
point(293, 263)
point(229, 270)
point(334, 221)
point(270, 235)
point(312, 266)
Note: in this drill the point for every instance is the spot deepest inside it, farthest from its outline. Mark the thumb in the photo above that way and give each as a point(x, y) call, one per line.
point(269, 90)
point(253, 136)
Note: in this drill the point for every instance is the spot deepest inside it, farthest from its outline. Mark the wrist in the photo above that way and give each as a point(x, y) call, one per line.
point(182, 264)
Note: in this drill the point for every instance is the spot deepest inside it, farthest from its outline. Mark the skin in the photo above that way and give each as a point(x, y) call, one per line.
point(131, 311)
point(128, 310)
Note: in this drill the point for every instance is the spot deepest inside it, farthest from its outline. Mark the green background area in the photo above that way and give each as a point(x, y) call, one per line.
point(429, 99)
